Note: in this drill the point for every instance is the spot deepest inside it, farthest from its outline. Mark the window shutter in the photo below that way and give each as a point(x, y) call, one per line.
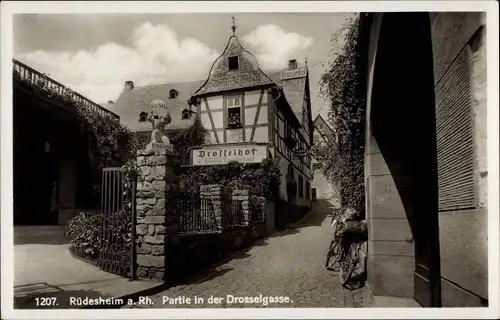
point(454, 126)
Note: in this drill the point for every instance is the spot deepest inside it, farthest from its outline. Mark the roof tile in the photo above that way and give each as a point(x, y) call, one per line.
point(131, 103)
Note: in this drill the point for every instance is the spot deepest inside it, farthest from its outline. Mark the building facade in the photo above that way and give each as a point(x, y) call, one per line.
point(321, 188)
point(241, 106)
point(425, 156)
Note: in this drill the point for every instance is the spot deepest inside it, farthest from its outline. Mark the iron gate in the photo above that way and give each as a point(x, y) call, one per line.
point(117, 252)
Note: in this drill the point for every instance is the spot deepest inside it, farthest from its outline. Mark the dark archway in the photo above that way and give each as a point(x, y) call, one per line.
point(404, 124)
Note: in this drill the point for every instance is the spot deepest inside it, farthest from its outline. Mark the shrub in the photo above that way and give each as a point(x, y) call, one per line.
point(263, 179)
point(84, 233)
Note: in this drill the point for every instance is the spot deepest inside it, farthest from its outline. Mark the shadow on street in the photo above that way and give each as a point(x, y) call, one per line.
point(50, 235)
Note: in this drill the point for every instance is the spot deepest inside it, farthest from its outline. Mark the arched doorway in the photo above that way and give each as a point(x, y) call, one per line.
point(403, 123)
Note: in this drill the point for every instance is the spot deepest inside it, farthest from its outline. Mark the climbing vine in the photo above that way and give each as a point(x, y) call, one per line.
point(263, 179)
point(184, 140)
point(110, 143)
point(342, 155)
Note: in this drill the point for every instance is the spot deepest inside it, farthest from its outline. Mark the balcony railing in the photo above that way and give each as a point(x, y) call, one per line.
point(37, 79)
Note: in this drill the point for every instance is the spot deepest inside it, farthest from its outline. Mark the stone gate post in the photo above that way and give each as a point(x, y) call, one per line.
point(157, 224)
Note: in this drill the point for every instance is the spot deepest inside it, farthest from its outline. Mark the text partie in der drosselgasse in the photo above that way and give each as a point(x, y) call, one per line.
point(227, 299)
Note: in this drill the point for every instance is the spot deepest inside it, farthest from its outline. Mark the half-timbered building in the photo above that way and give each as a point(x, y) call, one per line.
point(321, 133)
point(322, 189)
point(241, 106)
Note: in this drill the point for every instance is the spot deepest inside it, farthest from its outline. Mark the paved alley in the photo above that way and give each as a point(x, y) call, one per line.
point(289, 264)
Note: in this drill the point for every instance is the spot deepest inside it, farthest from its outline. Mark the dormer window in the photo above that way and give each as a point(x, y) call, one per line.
point(173, 94)
point(233, 63)
point(186, 114)
point(143, 117)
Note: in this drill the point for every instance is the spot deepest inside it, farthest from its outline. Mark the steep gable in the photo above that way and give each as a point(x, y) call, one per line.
point(322, 126)
point(293, 89)
point(236, 68)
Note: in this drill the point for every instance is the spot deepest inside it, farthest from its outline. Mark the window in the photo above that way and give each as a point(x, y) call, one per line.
point(308, 190)
point(301, 186)
point(143, 117)
point(173, 94)
point(233, 112)
point(186, 114)
point(233, 63)
point(320, 125)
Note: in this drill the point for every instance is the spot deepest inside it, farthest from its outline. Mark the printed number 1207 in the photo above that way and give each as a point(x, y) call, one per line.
point(46, 301)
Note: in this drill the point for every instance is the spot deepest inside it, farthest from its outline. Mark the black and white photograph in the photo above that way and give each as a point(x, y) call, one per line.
point(250, 160)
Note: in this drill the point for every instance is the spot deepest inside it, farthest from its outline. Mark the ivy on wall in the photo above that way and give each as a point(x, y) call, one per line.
point(110, 143)
point(262, 179)
point(184, 140)
point(107, 142)
point(342, 156)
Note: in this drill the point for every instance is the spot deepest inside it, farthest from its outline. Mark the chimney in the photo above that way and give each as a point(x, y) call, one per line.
point(129, 85)
point(292, 64)
point(110, 102)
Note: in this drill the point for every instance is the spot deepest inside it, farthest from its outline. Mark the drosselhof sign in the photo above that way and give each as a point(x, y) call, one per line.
point(296, 73)
point(244, 153)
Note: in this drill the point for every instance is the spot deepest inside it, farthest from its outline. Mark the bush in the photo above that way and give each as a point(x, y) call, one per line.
point(263, 179)
point(84, 233)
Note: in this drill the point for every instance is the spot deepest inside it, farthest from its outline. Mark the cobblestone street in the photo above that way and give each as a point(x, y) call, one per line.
point(289, 264)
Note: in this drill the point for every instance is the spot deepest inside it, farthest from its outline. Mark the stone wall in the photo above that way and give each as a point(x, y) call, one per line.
point(244, 197)
point(389, 252)
point(197, 251)
point(162, 252)
point(157, 219)
point(212, 194)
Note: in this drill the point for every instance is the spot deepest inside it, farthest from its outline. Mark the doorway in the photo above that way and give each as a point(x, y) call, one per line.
point(404, 125)
point(35, 171)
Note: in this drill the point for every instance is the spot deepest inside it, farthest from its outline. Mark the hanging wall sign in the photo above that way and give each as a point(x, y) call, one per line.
point(292, 74)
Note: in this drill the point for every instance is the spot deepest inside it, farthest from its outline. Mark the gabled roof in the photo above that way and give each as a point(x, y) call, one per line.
point(326, 130)
point(293, 90)
point(131, 103)
point(248, 74)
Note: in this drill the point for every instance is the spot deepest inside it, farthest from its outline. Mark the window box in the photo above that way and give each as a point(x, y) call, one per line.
point(290, 142)
point(233, 112)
